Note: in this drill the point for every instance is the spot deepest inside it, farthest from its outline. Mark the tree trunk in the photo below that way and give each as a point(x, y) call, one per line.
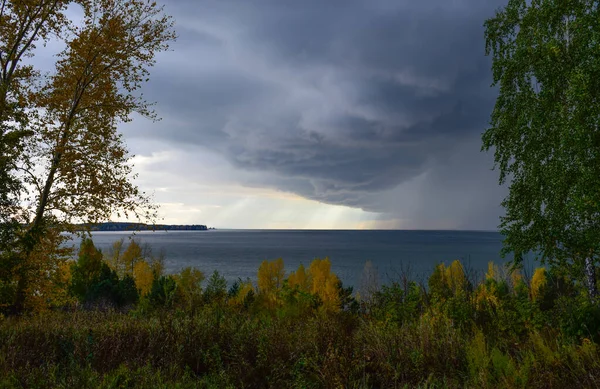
point(590, 275)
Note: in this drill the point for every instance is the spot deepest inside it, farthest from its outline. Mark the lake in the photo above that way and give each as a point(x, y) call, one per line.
point(238, 253)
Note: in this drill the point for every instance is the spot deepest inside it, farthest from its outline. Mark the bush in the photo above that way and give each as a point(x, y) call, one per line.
point(163, 292)
point(216, 288)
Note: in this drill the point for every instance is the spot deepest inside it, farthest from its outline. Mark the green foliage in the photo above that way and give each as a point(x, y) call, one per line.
point(189, 287)
point(95, 284)
point(163, 292)
point(438, 286)
point(127, 291)
point(398, 303)
point(544, 129)
point(9, 260)
point(108, 291)
point(347, 302)
point(216, 288)
point(86, 271)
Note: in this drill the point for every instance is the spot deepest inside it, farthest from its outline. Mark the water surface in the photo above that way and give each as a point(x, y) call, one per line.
point(238, 253)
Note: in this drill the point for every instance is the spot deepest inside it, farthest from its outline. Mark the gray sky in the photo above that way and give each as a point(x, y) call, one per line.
point(322, 114)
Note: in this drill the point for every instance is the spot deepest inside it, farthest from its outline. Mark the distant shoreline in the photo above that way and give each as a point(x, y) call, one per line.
point(124, 226)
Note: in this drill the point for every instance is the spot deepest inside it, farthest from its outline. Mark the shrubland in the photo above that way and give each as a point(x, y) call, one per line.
point(113, 325)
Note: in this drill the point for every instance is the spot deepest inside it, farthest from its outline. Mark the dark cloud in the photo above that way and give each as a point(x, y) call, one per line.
point(359, 103)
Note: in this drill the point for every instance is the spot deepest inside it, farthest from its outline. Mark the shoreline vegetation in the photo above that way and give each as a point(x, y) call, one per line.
point(115, 319)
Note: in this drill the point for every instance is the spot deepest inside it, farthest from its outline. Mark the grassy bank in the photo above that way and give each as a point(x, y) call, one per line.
point(217, 347)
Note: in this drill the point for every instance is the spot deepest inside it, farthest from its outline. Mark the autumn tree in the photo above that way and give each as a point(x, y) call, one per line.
point(48, 266)
point(243, 295)
point(114, 255)
point(189, 287)
point(538, 283)
point(23, 25)
point(131, 257)
point(324, 283)
point(299, 279)
point(75, 167)
point(143, 277)
point(545, 130)
point(136, 260)
point(270, 276)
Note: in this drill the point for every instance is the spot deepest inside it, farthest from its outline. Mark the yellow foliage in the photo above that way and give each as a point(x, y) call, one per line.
point(324, 283)
point(330, 296)
point(143, 276)
point(319, 271)
point(189, 285)
point(455, 276)
point(131, 256)
point(516, 277)
point(493, 272)
point(64, 272)
point(74, 150)
point(123, 259)
point(59, 294)
point(270, 276)
point(47, 273)
point(447, 280)
point(114, 257)
point(538, 282)
point(245, 288)
point(542, 348)
point(486, 297)
point(299, 279)
point(437, 280)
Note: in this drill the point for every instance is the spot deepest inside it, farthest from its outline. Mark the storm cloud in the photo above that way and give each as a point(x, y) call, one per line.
point(374, 105)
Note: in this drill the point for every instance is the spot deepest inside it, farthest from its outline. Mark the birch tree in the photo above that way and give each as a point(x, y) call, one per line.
point(545, 130)
point(74, 166)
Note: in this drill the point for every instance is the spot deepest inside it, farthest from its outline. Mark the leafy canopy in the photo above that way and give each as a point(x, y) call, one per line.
point(545, 127)
point(62, 159)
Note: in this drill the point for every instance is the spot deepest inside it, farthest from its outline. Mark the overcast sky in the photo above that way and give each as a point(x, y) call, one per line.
point(322, 114)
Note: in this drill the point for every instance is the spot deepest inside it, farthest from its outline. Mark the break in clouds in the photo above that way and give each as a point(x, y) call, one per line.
point(374, 105)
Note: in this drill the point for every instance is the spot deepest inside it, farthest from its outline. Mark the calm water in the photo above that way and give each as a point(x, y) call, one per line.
point(238, 253)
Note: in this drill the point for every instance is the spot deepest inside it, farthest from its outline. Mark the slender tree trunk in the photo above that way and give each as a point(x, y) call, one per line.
point(590, 275)
point(34, 233)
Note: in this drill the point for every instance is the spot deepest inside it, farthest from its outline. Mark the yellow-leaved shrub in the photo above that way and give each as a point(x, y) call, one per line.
point(324, 283)
point(245, 288)
point(455, 277)
point(143, 277)
point(299, 279)
point(270, 276)
point(189, 286)
point(538, 283)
